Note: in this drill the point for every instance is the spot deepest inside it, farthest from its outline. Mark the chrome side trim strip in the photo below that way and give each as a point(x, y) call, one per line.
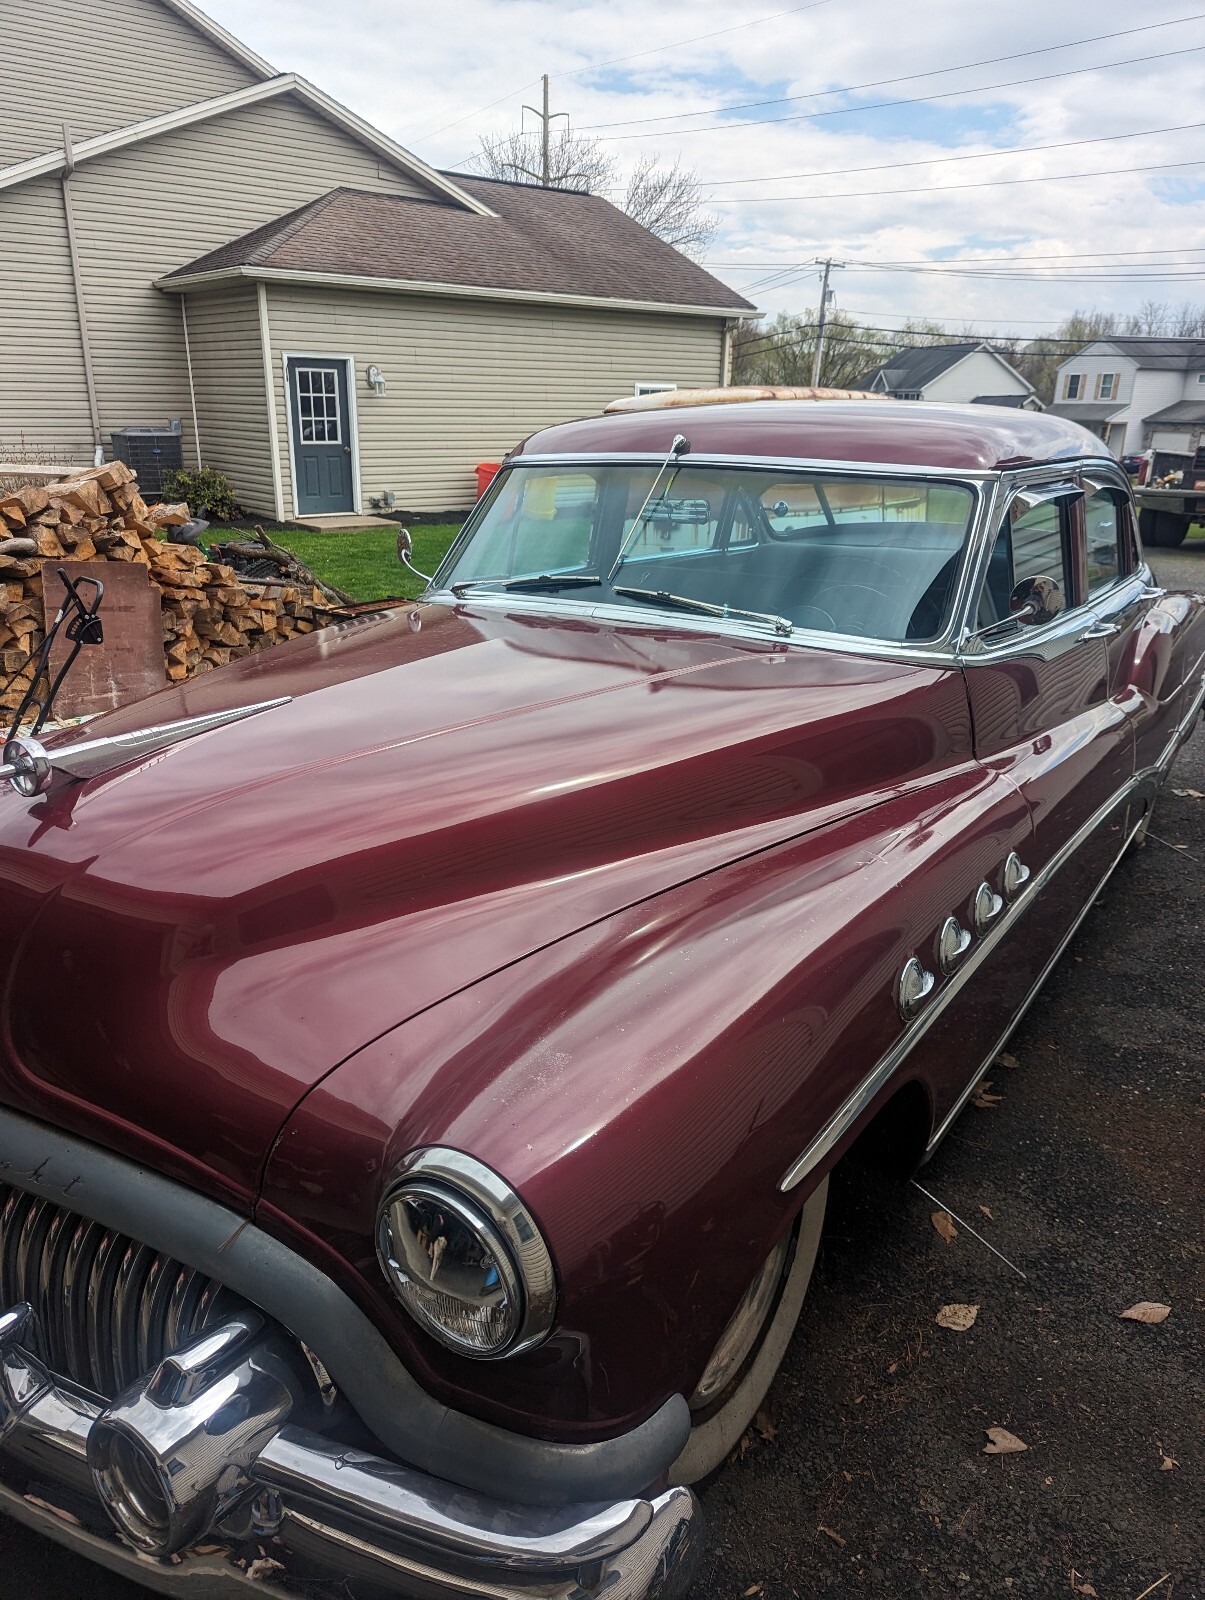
point(847, 1114)
point(952, 1115)
point(870, 1086)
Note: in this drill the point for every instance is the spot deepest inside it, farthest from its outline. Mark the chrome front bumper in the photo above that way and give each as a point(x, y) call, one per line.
point(294, 1506)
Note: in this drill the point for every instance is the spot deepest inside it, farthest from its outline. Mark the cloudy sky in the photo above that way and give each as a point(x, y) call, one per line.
point(886, 135)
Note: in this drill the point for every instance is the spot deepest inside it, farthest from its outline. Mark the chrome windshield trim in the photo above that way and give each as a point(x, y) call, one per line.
point(698, 622)
point(708, 458)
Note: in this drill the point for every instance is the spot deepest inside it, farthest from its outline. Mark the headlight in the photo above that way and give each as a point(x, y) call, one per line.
point(464, 1257)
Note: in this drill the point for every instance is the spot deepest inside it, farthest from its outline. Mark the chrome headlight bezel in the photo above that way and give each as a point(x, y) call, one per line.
point(484, 1203)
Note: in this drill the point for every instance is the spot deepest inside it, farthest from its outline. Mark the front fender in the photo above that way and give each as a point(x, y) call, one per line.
point(645, 1084)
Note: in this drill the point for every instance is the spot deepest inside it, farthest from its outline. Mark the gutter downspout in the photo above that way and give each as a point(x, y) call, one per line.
point(192, 393)
point(265, 344)
point(81, 310)
point(726, 355)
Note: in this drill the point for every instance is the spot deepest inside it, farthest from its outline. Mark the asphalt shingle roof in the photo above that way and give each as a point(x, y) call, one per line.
point(1187, 411)
point(550, 241)
point(913, 369)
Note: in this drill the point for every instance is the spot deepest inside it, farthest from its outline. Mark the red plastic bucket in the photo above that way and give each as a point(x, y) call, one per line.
point(485, 475)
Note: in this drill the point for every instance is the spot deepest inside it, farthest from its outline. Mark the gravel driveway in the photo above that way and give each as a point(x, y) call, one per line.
point(868, 1476)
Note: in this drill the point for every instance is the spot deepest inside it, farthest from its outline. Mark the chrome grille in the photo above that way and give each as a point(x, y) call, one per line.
point(108, 1307)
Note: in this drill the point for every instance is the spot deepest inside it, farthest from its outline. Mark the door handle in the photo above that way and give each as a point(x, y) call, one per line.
point(1101, 630)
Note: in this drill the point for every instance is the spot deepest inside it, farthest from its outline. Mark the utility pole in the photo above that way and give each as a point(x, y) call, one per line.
point(546, 119)
point(818, 356)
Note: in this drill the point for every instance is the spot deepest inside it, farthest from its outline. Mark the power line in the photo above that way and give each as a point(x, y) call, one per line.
point(598, 66)
point(678, 44)
point(951, 188)
point(928, 261)
point(915, 100)
point(882, 83)
point(936, 161)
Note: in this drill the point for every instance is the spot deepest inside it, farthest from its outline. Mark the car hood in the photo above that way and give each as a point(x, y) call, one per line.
point(192, 941)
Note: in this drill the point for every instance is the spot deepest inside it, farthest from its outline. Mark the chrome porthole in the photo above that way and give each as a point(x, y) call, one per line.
point(953, 942)
point(913, 989)
point(987, 907)
point(1016, 876)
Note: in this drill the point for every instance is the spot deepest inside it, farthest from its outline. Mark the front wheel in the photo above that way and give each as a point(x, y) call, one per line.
point(751, 1347)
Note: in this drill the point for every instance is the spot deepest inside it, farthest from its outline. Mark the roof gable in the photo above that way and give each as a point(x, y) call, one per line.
point(99, 64)
point(523, 242)
point(286, 83)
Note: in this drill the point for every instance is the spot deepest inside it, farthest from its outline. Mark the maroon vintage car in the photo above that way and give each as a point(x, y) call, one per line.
point(425, 1045)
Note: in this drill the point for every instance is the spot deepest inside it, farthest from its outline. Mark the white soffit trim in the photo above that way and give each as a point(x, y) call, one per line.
point(226, 41)
point(204, 110)
point(460, 291)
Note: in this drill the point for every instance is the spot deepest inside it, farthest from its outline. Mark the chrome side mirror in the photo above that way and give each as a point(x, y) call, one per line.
point(405, 549)
point(1036, 600)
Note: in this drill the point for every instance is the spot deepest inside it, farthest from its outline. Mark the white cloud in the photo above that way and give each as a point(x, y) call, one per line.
point(412, 70)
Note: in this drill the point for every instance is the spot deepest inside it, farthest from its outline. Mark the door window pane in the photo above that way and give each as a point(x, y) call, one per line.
point(318, 405)
point(1033, 542)
point(1104, 514)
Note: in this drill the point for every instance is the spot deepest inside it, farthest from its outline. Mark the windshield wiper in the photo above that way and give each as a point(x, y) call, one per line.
point(544, 580)
point(684, 602)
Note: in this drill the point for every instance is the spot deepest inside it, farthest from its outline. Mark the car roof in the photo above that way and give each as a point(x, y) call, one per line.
point(967, 438)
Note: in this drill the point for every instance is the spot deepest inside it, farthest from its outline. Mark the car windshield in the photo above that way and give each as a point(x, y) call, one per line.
point(871, 556)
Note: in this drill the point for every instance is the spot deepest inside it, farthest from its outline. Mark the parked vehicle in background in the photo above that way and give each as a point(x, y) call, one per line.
point(1165, 515)
point(428, 1043)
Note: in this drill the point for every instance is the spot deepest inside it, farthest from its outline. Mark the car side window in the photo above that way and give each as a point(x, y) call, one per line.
point(1034, 541)
point(1106, 518)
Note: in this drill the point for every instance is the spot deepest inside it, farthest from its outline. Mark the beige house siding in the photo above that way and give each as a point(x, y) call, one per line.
point(228, 377)
point(139, 213)
point(75, 61)
point(43, 398)
point(467, 380)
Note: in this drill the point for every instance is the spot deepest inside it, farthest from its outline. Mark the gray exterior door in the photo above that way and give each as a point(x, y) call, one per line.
point(322, 442)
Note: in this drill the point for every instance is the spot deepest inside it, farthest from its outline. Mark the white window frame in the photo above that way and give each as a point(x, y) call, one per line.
point(353, 420)
point(653, 388)
point(1113, 380)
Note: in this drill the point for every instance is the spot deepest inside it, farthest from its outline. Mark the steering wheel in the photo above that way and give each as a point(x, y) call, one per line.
point(851, 600)
point(852, 597)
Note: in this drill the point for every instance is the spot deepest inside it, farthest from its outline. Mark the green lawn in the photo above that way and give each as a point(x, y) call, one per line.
point(364, 562)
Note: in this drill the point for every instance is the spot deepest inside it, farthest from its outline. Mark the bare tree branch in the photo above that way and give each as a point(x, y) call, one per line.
point(666, 200)
point(573, 163)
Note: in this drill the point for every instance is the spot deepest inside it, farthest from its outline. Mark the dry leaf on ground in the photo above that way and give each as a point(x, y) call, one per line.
point(264, 1568)
point(1003, 1443)
point(1167, 1463)
point(754, 1588)
point(987, 1213)
point(765, 1427)
point(983, 1097)
point(1146, 1311)
point(1005, 1060)
point(832, 1534)
point(956, 1317)
point(1081, 1585)
point(1189, 794)
point(944, 1223)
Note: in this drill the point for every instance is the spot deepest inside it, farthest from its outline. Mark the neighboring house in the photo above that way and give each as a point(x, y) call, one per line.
point(1138, 394)
point(331, 319)
point(960, 372)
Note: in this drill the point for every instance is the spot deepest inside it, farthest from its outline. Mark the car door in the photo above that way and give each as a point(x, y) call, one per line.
point(1040, 684)
point(1152, 636)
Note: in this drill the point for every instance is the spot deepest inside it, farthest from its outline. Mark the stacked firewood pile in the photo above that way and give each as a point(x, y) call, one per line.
point(210, 614)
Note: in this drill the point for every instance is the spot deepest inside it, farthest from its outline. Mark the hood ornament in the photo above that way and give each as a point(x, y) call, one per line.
point(29, 766)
